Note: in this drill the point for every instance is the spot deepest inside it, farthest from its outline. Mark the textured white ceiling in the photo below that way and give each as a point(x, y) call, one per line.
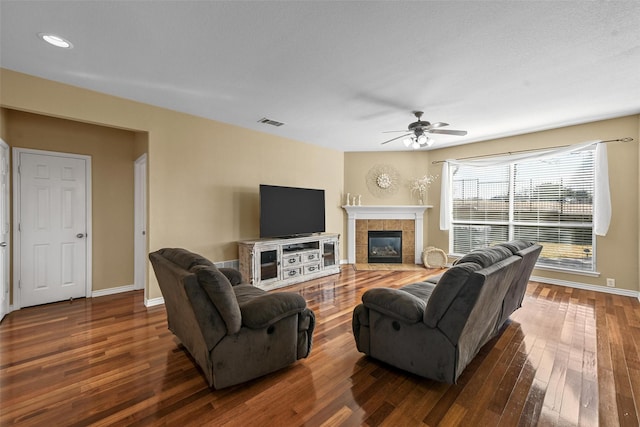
point(339, 73)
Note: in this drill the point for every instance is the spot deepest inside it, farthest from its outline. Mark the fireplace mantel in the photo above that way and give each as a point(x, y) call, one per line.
point(414, 212)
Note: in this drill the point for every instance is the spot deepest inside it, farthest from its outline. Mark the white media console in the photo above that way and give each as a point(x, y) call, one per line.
point(274, 263)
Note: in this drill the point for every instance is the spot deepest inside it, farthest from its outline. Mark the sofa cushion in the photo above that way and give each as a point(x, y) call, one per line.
point(395, 303)
point(420, 290)
point(265, 310)
point(486, 256)
point(434, 279)
point(246, 292)
point(516, 246)
point(184, 258)
point(220, 291)
point(234, 276)
point(446, 291)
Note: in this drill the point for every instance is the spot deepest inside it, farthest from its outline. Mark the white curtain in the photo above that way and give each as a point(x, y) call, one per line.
point(445, 198)
point(602, 197)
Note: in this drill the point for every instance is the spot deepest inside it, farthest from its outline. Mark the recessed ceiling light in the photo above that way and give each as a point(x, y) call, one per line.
point(55, 40)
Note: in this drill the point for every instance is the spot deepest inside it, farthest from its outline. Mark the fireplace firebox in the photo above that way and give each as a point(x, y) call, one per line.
point(385, 246)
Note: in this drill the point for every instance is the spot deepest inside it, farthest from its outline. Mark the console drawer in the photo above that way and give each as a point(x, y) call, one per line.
point(311, 268)
point(291, 260)
point(310, 256)
point(291, 272)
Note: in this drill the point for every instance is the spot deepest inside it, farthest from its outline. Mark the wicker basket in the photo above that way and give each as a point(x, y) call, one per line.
point(433, 257)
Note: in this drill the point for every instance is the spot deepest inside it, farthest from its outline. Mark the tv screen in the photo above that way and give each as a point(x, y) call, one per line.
point(290, 211)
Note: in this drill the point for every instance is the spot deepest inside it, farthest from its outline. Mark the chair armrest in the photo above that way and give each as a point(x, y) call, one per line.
point(265, 310)
point(395, 303)
point(234, 276)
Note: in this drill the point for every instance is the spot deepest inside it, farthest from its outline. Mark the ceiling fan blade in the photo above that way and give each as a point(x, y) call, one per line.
point(448, 132)
point(397, 137)
point(391, 131)
point(436, 125)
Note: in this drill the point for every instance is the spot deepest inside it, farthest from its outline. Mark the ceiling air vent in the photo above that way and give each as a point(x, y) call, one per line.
point(270, 122)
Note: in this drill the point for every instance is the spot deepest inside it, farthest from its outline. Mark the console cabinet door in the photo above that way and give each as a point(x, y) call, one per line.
point(329, 253)
point(267, 261)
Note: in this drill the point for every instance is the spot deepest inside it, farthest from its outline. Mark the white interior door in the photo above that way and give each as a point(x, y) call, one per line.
point(52, 227)
point(140, 223)
point(5, 247)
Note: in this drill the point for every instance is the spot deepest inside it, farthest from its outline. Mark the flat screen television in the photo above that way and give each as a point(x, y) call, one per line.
point(290, 211)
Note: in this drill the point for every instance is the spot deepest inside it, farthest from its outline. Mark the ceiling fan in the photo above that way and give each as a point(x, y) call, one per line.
point(417, 136)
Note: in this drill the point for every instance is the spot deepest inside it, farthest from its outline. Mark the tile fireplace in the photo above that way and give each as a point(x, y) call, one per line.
point(409, 219)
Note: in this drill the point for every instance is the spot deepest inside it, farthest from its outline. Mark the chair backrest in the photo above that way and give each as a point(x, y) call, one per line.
point(513, 299)
point(480, 325)
point(191, 314)
point(453, 283)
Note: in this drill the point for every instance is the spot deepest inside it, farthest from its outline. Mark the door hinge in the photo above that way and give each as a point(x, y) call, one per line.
point(19, 287)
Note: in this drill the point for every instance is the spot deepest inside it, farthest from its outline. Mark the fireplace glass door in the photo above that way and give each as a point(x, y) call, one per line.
point(385, 246)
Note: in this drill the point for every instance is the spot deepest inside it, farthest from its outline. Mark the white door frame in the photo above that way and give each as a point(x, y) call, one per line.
point(4, 299)
point(16, 218)
point(140, 224)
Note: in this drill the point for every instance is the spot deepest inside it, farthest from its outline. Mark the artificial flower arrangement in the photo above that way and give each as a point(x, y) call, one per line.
point(420, 186)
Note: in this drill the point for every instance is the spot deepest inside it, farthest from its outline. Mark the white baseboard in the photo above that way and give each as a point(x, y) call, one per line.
point(585, 286)
point(147, 302)
point(153, 302)
point(111, 291)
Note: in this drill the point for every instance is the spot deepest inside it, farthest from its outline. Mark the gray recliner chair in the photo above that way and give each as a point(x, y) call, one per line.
point(234, 331)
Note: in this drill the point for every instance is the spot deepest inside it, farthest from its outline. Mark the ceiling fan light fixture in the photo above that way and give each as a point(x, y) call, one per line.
point(418, 131)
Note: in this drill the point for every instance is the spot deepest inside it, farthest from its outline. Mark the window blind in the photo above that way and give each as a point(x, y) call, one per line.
point(549, 201)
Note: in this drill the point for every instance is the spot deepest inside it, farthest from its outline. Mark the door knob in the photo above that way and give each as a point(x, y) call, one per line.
point(3, 244)
point(79, 235)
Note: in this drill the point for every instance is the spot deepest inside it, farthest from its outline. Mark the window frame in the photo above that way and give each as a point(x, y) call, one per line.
point(512, 224)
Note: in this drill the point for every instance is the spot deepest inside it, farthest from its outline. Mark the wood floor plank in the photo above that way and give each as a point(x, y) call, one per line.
point(567, 357)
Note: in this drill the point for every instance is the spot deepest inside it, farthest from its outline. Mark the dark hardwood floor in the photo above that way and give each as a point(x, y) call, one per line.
point(569, 357)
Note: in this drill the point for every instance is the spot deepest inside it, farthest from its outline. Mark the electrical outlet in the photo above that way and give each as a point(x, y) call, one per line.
point(611, 282)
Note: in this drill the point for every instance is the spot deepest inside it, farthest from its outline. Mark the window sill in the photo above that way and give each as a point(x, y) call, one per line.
point(568, 271)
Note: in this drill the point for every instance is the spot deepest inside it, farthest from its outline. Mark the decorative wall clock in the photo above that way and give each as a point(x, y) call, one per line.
point(383, 180)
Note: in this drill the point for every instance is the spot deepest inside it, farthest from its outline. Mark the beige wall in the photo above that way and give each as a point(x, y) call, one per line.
point(203, 174)
point(408, 164)
point(617, 253)
point(3, 128)
point(111, 152)
point(140, 144)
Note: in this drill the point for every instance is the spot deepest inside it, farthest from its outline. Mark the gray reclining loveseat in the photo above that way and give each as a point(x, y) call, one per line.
point(435, 329)
point(234, 331)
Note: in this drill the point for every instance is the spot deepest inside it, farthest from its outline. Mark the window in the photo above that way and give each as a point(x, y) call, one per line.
point(549, 201)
